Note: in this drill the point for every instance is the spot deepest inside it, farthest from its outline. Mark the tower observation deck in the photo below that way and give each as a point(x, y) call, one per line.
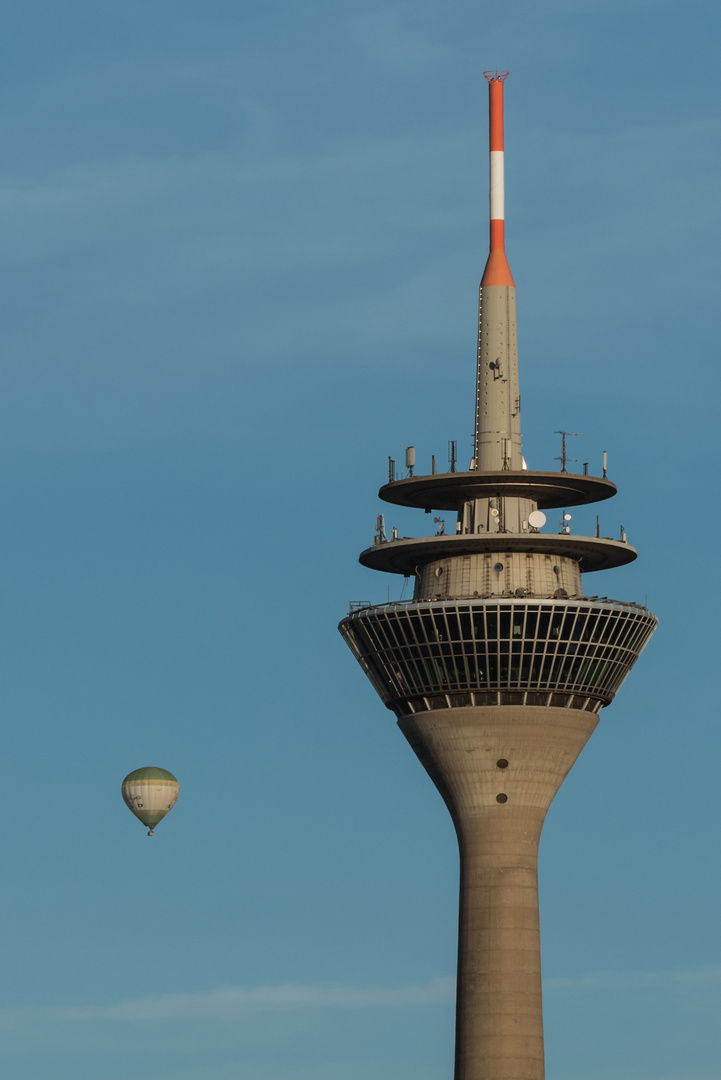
point(498, 667)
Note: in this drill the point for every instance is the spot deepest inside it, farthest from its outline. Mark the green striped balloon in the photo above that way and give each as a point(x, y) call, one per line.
point(150, 793)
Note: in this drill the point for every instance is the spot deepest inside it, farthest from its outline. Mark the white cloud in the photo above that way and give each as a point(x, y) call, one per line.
point(706, 977)
point(227, 1003)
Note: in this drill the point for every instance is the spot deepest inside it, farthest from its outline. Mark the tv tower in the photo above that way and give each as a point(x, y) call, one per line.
point(498, 667)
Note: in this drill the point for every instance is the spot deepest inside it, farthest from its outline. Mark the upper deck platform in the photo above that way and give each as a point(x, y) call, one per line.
point(447, 491)
point(406, 555)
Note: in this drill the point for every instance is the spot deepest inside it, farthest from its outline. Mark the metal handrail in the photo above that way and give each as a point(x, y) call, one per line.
point(356, 606)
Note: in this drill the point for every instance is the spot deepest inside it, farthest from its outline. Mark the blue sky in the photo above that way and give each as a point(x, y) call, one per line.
point(240, 259)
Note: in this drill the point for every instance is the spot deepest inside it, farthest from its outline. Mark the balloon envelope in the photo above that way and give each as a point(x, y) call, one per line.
point(150, 793)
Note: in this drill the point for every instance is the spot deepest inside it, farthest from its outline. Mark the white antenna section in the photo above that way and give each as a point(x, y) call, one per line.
point(537, 519)
point(410, 459)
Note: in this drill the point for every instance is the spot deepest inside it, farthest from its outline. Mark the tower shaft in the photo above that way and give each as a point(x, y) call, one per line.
point(498, 398)
point(499, 1021)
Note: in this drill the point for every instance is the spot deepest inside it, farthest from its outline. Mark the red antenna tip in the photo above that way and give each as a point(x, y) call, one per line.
point(495, 76)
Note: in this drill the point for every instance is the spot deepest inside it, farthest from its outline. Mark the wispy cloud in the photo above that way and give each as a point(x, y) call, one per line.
point(688, 979)
point(227, 1003)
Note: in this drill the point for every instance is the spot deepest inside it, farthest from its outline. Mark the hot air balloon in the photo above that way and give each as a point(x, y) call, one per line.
point(150, 793)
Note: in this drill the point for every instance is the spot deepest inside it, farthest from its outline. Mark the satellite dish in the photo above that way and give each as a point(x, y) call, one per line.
point(567, 517)
point(494, 512)
point(537, 519)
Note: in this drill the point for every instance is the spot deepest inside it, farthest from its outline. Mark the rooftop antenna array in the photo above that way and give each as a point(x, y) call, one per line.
point(563, 458)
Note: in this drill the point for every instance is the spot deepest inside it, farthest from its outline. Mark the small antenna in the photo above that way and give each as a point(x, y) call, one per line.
point(453, 453)
point(380, 536)
point(410, 459)
point(391, 470)
point(563, 458)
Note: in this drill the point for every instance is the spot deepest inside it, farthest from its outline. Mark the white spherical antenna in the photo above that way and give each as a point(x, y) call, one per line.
point(567, 517)
point(537, 519)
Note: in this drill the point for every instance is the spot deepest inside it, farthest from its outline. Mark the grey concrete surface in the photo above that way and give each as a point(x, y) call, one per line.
point(499, 1017)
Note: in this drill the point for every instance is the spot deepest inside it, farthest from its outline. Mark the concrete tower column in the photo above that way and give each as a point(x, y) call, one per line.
point(498, 769)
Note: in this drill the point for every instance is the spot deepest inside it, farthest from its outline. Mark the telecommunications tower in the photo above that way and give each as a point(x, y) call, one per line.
point(498, 667)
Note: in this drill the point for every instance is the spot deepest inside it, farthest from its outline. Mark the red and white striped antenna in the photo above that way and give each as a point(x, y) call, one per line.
point(497, 271)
